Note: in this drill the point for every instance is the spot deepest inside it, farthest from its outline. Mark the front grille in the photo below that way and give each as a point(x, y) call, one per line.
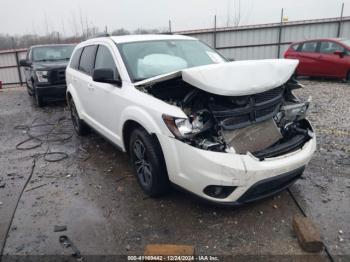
point(58, 76)
point(268, 95)
point(260, 107)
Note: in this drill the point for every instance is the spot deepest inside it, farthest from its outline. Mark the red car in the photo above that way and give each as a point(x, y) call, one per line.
point(322, 57)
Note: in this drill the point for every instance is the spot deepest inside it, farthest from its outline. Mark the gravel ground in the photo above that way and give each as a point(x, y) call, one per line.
point(325, 191)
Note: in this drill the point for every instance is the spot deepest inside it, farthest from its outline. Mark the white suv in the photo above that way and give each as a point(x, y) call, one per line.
point(229, 132)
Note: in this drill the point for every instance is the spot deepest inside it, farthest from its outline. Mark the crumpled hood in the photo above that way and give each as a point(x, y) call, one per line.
point(234, 78)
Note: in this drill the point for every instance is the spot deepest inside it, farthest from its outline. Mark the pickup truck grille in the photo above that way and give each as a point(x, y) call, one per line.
point(259, 107)
point(58, 76)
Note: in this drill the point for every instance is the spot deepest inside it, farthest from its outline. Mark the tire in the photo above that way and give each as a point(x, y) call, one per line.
point(30, 92)
point(295, 75)
point(39, 100)
point(148, 163)
point(80, 127)
point(348, 77)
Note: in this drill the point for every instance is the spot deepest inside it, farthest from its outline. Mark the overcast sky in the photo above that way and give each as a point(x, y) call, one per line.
point(40, 16)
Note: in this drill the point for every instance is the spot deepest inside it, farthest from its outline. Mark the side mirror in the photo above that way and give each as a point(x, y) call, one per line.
point(339, 53)
point(24, 62)
point(105, 75)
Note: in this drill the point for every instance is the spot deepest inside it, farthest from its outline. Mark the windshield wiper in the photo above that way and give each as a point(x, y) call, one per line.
point(41, 60)
point(66, 58)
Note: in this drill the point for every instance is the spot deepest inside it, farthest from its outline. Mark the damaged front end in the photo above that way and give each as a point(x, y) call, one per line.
point(266, 124)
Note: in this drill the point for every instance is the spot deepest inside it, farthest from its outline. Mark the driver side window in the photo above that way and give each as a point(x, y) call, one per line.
point(330, 47)
point(104, 59)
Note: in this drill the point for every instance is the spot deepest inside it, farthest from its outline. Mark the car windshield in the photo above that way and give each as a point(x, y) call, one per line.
point(52, 53)
point(346, 42)
point(152, 58)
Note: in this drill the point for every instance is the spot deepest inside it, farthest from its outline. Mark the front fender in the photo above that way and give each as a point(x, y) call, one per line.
point(142, 117)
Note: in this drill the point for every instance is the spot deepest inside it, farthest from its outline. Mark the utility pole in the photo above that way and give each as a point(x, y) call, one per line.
point(214, 32)
point(280, 35)
point(340, 20)
point(169, 26)
point(13, 43)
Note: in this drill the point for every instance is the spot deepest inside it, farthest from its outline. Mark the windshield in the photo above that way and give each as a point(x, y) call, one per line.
point(52, 53)
point(152, 58)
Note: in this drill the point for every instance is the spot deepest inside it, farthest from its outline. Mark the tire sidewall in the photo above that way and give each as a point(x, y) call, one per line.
point(77, 126)
point(159, 177)
point(38, 99)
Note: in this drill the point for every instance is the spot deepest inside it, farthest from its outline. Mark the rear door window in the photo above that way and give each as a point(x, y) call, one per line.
point(309, 47)
point(328, 47)
point(87, 59)
point(76, 58)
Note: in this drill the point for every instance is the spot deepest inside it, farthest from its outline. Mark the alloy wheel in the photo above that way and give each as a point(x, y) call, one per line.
point(142, 165)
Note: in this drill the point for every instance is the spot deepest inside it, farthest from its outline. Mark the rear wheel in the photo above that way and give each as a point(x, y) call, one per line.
point(348, 77)
point(79, 125)
point(148, 162)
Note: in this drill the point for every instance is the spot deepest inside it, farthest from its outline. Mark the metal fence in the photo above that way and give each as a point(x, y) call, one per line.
point(240, 43)
point(10, 71)
point(268, 40)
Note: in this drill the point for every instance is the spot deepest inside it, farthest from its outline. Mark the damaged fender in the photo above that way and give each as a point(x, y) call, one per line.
point(143, 118)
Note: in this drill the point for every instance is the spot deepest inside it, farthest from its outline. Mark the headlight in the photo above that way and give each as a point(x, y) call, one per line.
point(42, 76)
point(181, 127)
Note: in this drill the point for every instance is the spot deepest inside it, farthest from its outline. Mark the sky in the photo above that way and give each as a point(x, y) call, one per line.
point(67, 16)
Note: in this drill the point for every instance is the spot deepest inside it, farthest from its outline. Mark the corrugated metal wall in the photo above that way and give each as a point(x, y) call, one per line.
point(9, 67)
point(239, 43)
point(261, 41)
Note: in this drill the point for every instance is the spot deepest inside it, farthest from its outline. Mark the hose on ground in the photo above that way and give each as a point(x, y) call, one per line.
point(54, 133)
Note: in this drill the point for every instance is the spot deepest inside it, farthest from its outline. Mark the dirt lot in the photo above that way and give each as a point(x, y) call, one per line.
point(93, 192)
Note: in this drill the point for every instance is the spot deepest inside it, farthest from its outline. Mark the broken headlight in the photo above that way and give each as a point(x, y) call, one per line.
point(182, 127)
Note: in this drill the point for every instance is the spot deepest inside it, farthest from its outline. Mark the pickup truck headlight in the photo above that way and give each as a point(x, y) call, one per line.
point(42, 76)
point(180, 127)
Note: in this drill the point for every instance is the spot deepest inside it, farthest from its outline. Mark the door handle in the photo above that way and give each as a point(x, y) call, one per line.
point(91, 87)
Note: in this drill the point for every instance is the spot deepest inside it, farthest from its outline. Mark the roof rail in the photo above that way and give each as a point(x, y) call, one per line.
point(101, 35)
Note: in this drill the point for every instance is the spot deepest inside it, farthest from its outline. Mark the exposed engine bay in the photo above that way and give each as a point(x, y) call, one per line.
point(266, 124)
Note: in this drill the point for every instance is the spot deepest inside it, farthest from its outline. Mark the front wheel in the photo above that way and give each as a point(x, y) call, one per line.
point(348, 77)
point(148, 162)
point(30, 91)
point(39, 100)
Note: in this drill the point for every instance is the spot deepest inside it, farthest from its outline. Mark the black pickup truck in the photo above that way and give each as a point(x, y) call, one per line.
point(45, 71)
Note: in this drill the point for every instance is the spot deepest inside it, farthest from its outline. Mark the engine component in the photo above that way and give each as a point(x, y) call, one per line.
point(253, 138)
point(264, 123)
point(292, 112)
point(295, 135)
point(209, 145)
point(238, 112)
